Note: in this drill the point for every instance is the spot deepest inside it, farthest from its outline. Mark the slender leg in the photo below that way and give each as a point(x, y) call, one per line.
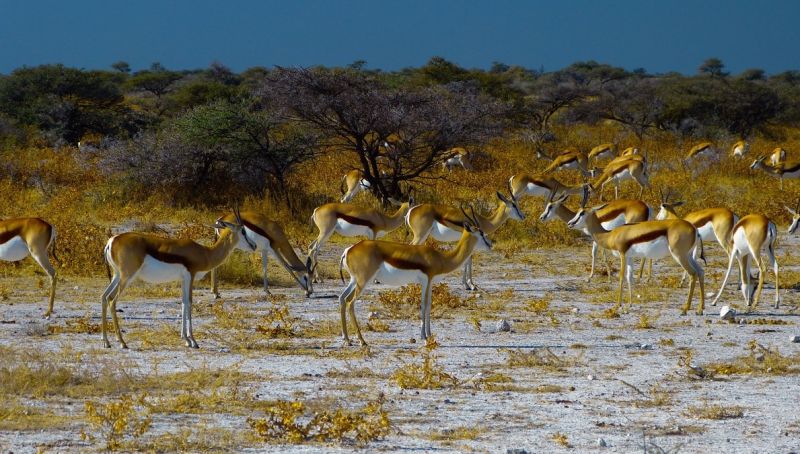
point(427, 298)
point(774, 262)
point(761, 271)
point(744, 267)
point(351, 305)
point(594, 256)
point(109, 292)
point(641, 270)
point(214, 288)
point(608, 266)
point(348, 291)
point(113, 308)
point(187, 307)
point(621, 279)
point(629, 278)
point(264, 260)
point(44, 262)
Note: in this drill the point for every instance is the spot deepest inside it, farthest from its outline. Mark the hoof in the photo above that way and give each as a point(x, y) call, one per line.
point(217, 297)
point(124, 346)
point(46, 315)
point(346, 342)
point(107, 345)
point(683, 313)
point(363, 343)
point(699, 313)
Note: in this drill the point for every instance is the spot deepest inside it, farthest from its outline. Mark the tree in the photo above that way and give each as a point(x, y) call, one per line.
point(713, 67)
point(633, 103)
point(122, 67)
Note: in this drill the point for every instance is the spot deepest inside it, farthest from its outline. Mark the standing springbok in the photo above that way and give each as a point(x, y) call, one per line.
point(446, 223)
point(353, 182)
point(749, 237)
point(740, 148)
point(155, 259)
point(573, 159)
point(648, 239)
point(602, 151)
point(777, 157)
point(701, 150)
point(269, 238)
point(21, 237)
point(350, 220)
point(541, 185)
point(618, 171)
point(401, 264)
point(459, 157)
point(611, 216)
point(781, 171)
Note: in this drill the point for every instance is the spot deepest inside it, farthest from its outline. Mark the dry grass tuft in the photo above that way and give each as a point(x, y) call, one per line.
point(544, 359)
point(561, 439)
point(427, 375)
point(760, 360)
point(716, 412)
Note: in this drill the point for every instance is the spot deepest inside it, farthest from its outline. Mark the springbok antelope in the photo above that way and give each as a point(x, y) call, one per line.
point(777, 157)
point(21, 237)
point(702, 149)
point(573, 159)
point(155, 259)
point(353, 182)
point(618, 171)
point(445, 224)
point(351, 220)
point(740, 148)
point(269, 238)
point(711, 223)
point(648, 239)
point(630, 151)
point(611, 216)
point(459, 157)
point(780, 171)
point(401, 264)
point(602, 151)
point(748, 239)
point(523, 184)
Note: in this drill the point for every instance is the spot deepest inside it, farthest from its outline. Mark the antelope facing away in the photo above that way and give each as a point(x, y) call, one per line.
point(740, 148)
point(21, 237)
point(701, 150)
point(523, 184)
point(618, 171)
point(712, 224)
point(781, 171)
point(350, 220)
point(648, 239)
point(155, 259)
point(459, 157)
point(610, 215)
point(270, 239)
point(574, 160)
point(401, 264)
point(749, 237)
point(353, 182)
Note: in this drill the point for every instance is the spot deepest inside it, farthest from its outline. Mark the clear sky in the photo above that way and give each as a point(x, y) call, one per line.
point(660, 36)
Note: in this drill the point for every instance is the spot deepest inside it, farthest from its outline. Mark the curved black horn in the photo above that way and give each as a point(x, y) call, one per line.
point(585, 196)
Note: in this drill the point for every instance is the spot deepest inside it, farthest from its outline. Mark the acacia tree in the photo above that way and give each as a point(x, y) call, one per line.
point(633, 102)
point(355, 111)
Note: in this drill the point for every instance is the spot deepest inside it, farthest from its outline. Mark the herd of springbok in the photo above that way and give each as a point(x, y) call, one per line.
point(627, 228)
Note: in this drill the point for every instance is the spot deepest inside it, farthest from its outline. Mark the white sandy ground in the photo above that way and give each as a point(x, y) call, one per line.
point(588, 409)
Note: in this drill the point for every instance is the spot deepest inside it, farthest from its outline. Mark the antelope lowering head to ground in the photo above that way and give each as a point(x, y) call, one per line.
point(602, 151)
point(353, 182)
point(618, 171)
point(611, 216)
point(155, 259)
point(459, 157)
point(740, 148)
point(446, 224)
point(351, 220)
point(574, 160)
point(781, 171)
point(749, 237)
point(541, 185)
point(30, 236)
point(648, 239)
point(701, 150)
point(712, 224)
point(401, 264)
point(269, 238)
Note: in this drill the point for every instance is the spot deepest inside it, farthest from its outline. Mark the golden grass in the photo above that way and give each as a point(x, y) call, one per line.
point(759, 360)
point(715, 411)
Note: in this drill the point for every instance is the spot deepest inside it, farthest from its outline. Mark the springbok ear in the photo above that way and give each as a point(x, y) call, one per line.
point(677, 204)
point(598, 207)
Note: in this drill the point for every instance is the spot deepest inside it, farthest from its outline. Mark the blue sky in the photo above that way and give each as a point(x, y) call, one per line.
point(656, 35)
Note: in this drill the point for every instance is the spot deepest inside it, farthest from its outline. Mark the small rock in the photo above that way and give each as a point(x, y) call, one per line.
point(795, 339)
point(413, 341)
point(727, 313)
point(601, 443)
point(503, 326)
point(760, 357)
point(373, 315)
point(590, 377)
point(741, 321)
point(645, 347)
point(76, 288)
point(224, 350)
point(575, 310)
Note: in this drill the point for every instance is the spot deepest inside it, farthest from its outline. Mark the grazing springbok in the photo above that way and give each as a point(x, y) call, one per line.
point(22, 237)
point(618, 171)
point(602, 151)
point(611, 216)
point(740, 148)
point(155, 259)
point(781, 171)
point(353, 182)
point(458, 157)
point(701, 150)
point(648, 239)
point(350, 220)
point(270, 239)
point(401, 264)
point(446, 224)
point(749, 237)
point(541, 185)
point(572, 159)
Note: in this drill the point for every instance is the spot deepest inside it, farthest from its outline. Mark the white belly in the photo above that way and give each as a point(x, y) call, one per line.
point(536, 190)
point(740, 242)
point(622, 176)
point(387, 274)
point(614, 223)
point(570, 165)
point(345, 228)
point(795, 174)
point(654, 249)
point(706, 232)
point(738, 151)
point(14, 249)
point(156, 272)
point(441, 232)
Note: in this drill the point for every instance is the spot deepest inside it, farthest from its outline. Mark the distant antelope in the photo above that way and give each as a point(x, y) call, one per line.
point(459, 157)
point(446, 224)
point(400, 264)
point(353, 182)
point(630, 151)
point(781, 171)
point(618, 171)
point(648, 239)
point(701, 150)
point(270, 239)
point(749, 237)
point(350, 220)
point(155, 259)
point(602, 151)
point(21, 237)
point(777, 157)
point(740, 148)
point(523, 184)
point(574, 159)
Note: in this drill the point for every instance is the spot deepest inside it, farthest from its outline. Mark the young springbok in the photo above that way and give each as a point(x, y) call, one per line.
point(353, 182)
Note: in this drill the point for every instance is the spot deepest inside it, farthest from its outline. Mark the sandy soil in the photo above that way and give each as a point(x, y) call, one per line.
point(604, 386)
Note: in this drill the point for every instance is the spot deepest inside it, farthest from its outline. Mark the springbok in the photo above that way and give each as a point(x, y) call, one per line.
point(618, 171)
point(702, 149)
point(749, 237)
point(270, 239)
point(602, 151)
point(781, 171)
point(459, 157)
point(353, 182)
point(22, 237)
point(401, 264)
point(155, 259)
point(541, 185)
point(350, 220)
point(740, 148)
point(573, 159)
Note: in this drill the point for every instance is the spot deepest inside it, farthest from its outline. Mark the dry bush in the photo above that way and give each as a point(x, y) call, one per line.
point(561, 439)
point(427, 375)
point(404, 302)
point(113, 422)
point(715, 411)
point(759, 360)
point(543, 358)
point(81, 325)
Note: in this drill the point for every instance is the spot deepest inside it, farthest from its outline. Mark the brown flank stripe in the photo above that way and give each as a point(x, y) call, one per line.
point(648, 236)
point(792, 169)
point(612, 214)
point(258, 230)
point(699, 222)
point(9, 234)
point(444, 221)
point(405, 264)
point(354, 220)
point(164, 256)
